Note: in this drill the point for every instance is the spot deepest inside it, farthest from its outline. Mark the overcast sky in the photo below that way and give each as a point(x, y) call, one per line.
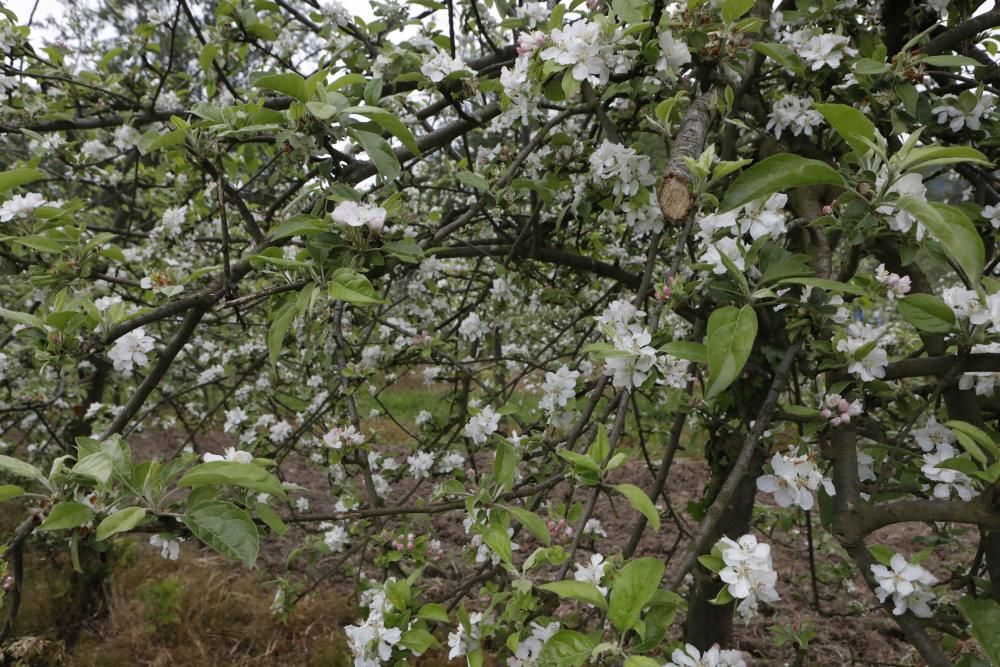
point(49, 8)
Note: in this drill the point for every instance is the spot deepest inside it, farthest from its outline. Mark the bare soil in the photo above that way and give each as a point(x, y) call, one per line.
point(224, 615)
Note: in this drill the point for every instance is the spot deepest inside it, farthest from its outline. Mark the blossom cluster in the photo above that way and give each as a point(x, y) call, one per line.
point(794, 481)
point(907, 584)
point(748, 573)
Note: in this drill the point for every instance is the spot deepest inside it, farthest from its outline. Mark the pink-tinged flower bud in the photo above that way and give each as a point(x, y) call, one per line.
point(8, 583)
point(551, 525)
point(827, 210)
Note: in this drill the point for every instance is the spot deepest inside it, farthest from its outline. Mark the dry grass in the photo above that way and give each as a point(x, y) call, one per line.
point(200, 611)
point(206, 611)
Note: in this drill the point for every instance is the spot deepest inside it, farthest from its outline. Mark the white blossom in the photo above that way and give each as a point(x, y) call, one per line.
point(481, 425)
point(933, 434)
point(592, 572)
point(440, 65)
point(794, 114)
point(964, 111)
point(674, 54)
point(907, 583)
point(748, 573)
point(895, 284)
point(170, 546)
point(622, 165)
point(530, 647)
point(21, 206)
point(945, 480)
point(462, 641)
point(354, 214)
point(690, 656)
point(583, 46)
point(473, 328)
point(633, 358)
point(872, 365)
point(794, 481)
point(910, 185)
point(732, 248)
point(230, 454)
point(131, 350)
point(420, 464)
point(825, 50)
point(558, 389)
point(838, 410)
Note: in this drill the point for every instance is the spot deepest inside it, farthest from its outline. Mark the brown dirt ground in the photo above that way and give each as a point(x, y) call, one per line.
point(223, 613)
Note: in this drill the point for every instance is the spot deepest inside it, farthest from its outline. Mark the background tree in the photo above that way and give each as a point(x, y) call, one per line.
point(765, 237)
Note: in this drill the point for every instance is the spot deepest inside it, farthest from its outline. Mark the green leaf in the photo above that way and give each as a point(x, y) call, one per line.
point(406, 250)
point(640, 502)
point(353, 287)
point(870, 67)
point(781, 54)
point(153, 140)
point(723, 597)
point(67, 515)
point(534, 523)
point(734, 9)
point(775, 174)
point(630, 11)
point(10, 491)
point(226, 528)
point(246, 475)
point(432, 611)
point(851, 124)
point(97, 467)
point(300, 225)
point(322, 110)
point(418, 640)
point(929, 156)
point(567, 648)
point(39, 242)
point(121, 521)
point(984, 618)
point(17, 177)
point(497, 539)
point(823, 283)
point(953, 230)
point(271, 518)
point(641, 661)
point(977, 435)
point(577, 590)
point(682, 349)
point(289, 83)
point(19, 468)
point(600, 447)
point(27, 319)
point(380, 152)
point(731, 335)
point(391, 124)
point(505, 465)
point(927, 313)
point(474, 180)
point(949, 61)
point(279, 327)
point(881, 553)
point(634, 585)
point(207, 55)
point(711, 563)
